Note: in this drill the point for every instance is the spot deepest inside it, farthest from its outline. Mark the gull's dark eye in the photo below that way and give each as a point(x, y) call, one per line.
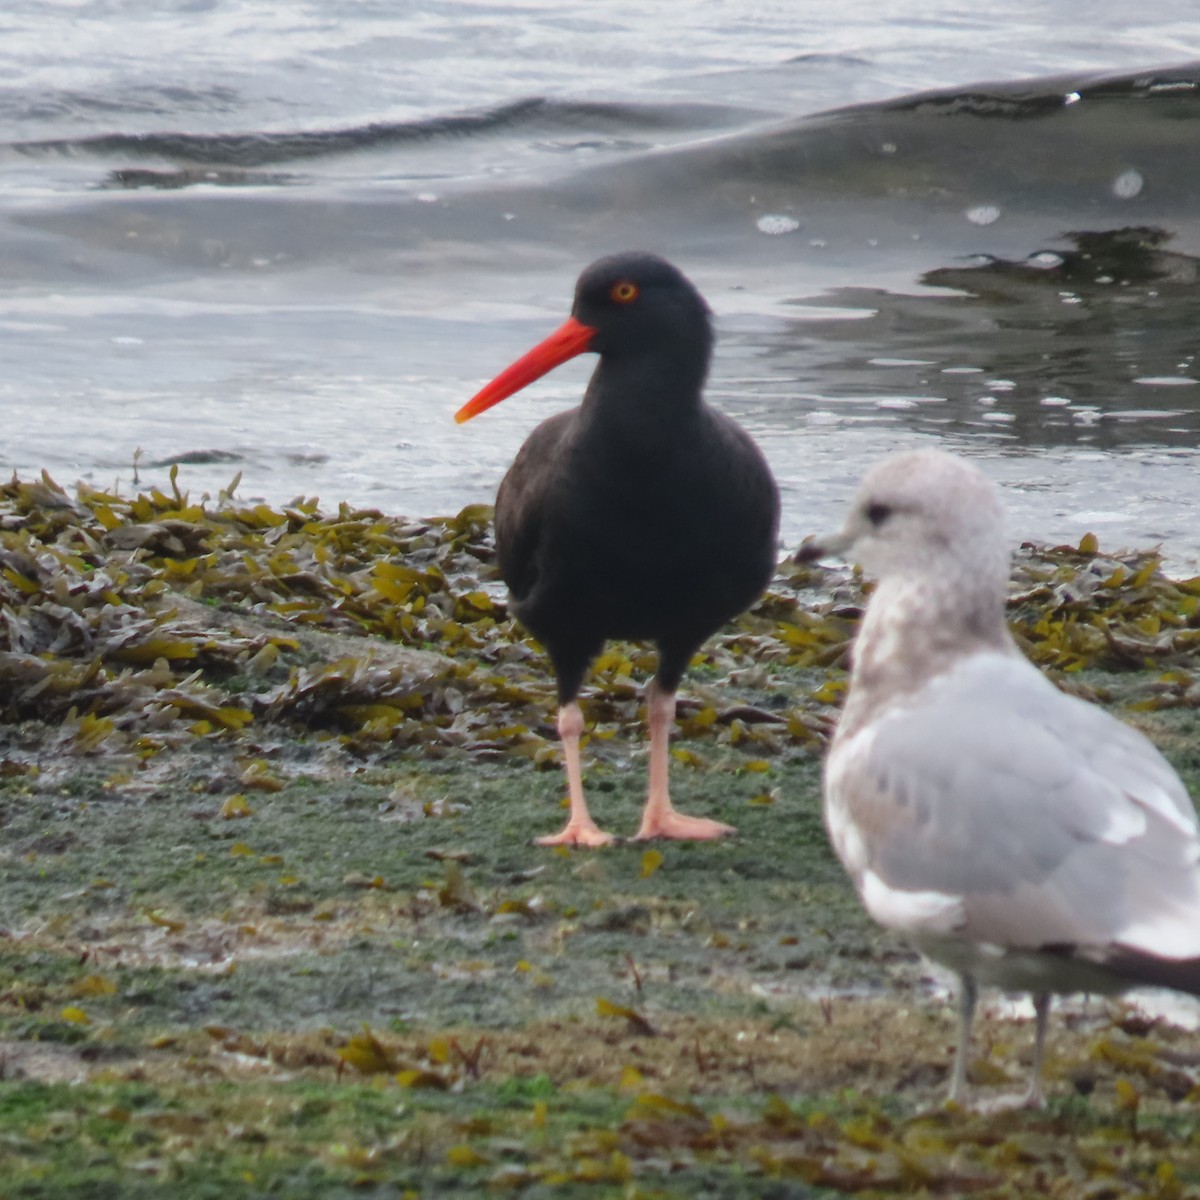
point(878, 513)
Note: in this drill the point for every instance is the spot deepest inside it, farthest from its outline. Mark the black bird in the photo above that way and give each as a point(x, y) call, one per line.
point(643, 514)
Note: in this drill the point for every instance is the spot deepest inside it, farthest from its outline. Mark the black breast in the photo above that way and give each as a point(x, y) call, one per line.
point(602, 537)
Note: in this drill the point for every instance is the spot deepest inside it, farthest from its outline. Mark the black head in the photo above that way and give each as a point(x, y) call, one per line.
point(637, 302)
point(649, 325)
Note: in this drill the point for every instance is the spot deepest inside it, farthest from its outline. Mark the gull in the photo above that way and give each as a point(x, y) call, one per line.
point(1024, 838)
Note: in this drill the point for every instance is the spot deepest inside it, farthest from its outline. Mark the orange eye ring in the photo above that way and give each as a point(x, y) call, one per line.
point(624, 292)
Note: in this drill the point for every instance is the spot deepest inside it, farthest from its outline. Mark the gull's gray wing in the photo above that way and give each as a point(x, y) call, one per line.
point(992, 806)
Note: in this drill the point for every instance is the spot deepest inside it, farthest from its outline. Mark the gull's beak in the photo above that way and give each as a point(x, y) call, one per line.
point(818, 546)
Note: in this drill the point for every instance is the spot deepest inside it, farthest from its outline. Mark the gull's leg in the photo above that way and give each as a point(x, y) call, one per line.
point(580, 829)
point(967, 995)
point(1032, 1097)
point(659, 818)
point(1035, 1097)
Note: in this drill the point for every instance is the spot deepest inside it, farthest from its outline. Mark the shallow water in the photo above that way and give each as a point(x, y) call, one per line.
point(290, 243)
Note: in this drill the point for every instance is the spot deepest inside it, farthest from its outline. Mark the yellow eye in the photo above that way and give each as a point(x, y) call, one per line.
point(624, 292)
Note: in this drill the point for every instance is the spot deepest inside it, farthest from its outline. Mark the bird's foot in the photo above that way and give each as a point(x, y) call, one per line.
point(1010, 1103)
point(676, 825)
point(1032, 1099)
point(577, 833)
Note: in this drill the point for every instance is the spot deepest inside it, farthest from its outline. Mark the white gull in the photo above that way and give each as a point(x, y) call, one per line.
point(1022, 837)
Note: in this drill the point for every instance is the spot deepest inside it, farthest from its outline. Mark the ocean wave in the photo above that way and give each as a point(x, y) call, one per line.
point(532, 116)
point(877, 194)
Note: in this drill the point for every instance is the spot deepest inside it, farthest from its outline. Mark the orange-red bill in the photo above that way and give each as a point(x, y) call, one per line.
point(572, 337)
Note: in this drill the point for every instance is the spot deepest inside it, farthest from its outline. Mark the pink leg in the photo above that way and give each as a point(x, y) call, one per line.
point(659, 818)
point(580, 829)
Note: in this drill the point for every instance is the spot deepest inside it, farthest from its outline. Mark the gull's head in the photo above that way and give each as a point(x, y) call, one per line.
point(919, 513)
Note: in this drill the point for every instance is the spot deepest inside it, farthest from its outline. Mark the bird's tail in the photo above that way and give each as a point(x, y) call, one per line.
point(1150, 970)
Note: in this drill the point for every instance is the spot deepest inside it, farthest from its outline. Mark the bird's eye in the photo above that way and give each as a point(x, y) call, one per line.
point(624, 292)
point(878, 513)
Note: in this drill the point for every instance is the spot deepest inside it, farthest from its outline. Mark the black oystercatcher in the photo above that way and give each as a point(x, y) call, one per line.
point(643, 514)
